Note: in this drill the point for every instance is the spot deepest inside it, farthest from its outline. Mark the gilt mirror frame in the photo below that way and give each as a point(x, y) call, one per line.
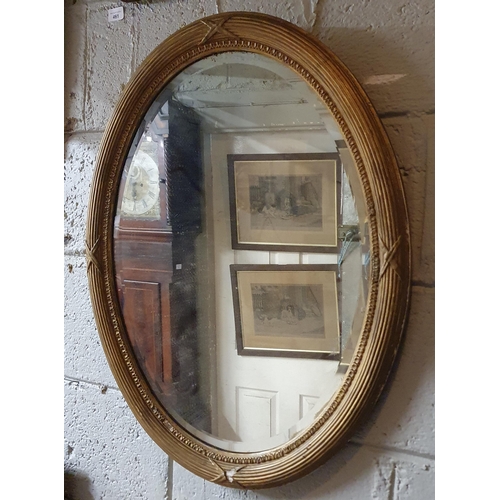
point(389, 289)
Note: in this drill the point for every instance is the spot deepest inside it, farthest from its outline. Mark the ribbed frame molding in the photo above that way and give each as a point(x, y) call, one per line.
point(388, 299)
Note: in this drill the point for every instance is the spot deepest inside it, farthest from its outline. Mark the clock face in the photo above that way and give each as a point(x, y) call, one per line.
point(142, 187)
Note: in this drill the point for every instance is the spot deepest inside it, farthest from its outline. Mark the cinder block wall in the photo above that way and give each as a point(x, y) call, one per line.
point(389, 46)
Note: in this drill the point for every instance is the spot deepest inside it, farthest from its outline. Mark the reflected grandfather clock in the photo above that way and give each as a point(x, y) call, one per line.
point(159, 218)
point(143, 250)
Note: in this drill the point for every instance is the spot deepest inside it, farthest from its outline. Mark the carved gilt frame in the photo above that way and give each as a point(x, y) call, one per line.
point(388, 299)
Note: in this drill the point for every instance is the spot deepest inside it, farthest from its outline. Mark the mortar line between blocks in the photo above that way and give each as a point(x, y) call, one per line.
point(394, 449)
point(76, 133)
point(423, 284)
point(86, 72)
point(170, 480)
point(103, 387)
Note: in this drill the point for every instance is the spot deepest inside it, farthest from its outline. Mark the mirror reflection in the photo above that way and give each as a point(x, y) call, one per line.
point(241, 251)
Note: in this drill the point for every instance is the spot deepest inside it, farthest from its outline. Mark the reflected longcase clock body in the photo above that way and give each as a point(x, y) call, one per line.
point(143, 238)
point(150, 240)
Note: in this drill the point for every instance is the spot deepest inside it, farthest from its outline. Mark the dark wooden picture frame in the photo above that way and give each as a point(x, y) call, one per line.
point(274, 304)
point(285, 202)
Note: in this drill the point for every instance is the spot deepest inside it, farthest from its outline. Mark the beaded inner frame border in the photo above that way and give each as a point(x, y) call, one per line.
point(388, 298)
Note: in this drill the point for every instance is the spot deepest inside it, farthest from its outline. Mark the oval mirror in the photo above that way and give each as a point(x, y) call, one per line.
point(248, 250)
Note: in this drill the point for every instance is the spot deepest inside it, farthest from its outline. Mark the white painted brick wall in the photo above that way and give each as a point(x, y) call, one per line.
point(107, 454)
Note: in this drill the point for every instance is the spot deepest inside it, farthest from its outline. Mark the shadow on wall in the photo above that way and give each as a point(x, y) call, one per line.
point(338, 474)
point(76, 486)
point(371, 55)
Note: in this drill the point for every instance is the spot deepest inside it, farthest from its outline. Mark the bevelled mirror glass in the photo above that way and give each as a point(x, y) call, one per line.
point(248, 249)
point(242, 344)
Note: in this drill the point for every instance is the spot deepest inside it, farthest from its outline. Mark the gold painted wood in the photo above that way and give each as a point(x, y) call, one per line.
point(388, 298)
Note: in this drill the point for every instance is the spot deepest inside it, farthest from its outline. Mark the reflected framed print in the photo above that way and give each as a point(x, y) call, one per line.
point(284, 202)
point(280, 310)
